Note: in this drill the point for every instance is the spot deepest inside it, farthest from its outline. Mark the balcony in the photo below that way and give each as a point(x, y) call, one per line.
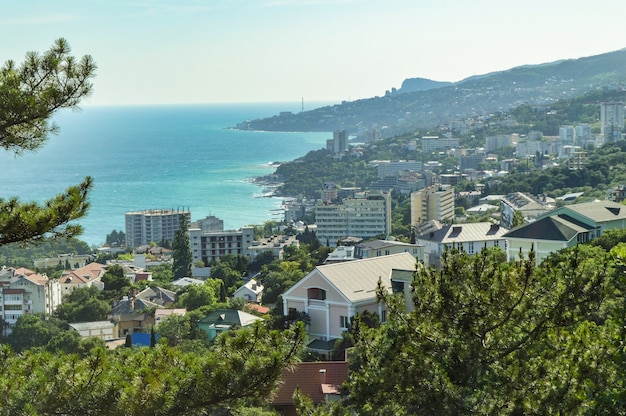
point(317, 302)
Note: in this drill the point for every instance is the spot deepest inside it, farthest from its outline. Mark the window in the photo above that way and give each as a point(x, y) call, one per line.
point(383, 316)
point(397, 287)
point(470, 247)
point(316, 293)
point(344, 322)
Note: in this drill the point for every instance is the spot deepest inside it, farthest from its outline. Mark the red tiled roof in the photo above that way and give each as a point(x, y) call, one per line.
point(312, 382)
point(84, 274)
point(38, 279)
point(24, 271)
point(258, 308)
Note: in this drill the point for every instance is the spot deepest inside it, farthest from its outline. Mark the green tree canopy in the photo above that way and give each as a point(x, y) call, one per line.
point(29, 95)
point(240, 369)
point(182, 255)
point(487, 337)
point(83, 305)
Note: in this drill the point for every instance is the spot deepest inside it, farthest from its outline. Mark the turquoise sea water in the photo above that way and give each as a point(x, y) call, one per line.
point(159, 157)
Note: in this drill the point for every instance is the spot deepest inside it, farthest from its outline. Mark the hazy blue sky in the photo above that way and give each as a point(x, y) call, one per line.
point(199, 51)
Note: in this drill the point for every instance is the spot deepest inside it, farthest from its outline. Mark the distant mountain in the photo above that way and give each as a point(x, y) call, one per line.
point(420, 84)
point(430, 103)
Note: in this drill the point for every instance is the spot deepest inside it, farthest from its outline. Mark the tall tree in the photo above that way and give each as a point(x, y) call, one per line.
point(239, 369)
point(488, 337)
point(183, 258)
point(29, 95)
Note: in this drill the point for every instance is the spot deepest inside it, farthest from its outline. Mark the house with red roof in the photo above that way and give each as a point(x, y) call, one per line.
point(23, 291)
point(321, 381)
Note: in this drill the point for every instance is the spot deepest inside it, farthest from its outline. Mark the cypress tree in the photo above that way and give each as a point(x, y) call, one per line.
point(182, 251)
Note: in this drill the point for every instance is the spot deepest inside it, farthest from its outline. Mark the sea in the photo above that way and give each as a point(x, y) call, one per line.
point(186, 157)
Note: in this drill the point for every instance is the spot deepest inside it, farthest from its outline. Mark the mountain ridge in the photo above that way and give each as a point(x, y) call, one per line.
point(399, 112)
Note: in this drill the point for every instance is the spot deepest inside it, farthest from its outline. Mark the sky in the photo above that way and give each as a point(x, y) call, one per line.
point(238, 51)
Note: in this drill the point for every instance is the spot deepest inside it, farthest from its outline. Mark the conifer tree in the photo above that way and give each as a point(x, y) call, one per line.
point(182, 251)
point(29, 95)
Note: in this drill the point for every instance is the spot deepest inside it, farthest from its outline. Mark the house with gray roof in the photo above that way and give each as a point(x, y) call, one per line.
point(333, 293)
point(565, 227)
point(470, 237)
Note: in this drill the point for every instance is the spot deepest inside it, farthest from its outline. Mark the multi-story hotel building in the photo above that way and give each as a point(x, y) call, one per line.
point(433, 203)
point(211, 245)
point(611, 121)
point(154, 225)
point(366, 214)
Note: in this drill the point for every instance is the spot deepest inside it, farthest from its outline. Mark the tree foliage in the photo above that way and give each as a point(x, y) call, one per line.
point(29, 95)
point(241, 369)
point(487, 337)
point(182, 255)
point(83, 305)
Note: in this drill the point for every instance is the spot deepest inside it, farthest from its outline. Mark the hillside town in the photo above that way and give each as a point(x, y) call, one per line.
point(360, 252)
point(447, 262)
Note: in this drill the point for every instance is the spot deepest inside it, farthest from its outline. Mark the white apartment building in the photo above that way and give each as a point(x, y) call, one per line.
point(391, 167)
point(23, 291)
point(611, 120)
point(154, 225)
point(433, 203)
point(211, 245)
point(434, 143)
point(365, 215)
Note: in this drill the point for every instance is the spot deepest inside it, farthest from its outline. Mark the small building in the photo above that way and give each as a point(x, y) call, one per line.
point(105, 330)
point(222, 320)
point(252, 291)
point(377, 248)
point(320, 381)
point(470, 237)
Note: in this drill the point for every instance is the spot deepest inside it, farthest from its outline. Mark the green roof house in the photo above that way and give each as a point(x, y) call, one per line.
point(224, 319)
point(565, 227)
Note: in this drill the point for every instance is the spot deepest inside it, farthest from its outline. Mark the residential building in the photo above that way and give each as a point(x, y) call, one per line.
point(611, 121)
point(86, 276)
point(23, 291)
point(333, 293)
point(319, 381)
point(133, 315)
point(252, 291)
point(340, 254)
point(391, 167)
point(616, 194)
point(434, 143)
point(339, 142)
point(470, 238)
point(209, 246)
point(565, 227)
point(329, 192)
point(223, 320)
point(377, 248)
point(64, 261)
point(472, 161)
point(365, 215)
point(155, 225)
point(499, 141)
point(433, 203)
point(275, 244)
point(105, 330)
point(566, 134)
point(161, 314)
point(582, 134)
point(530, 207)
point(158, 295)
